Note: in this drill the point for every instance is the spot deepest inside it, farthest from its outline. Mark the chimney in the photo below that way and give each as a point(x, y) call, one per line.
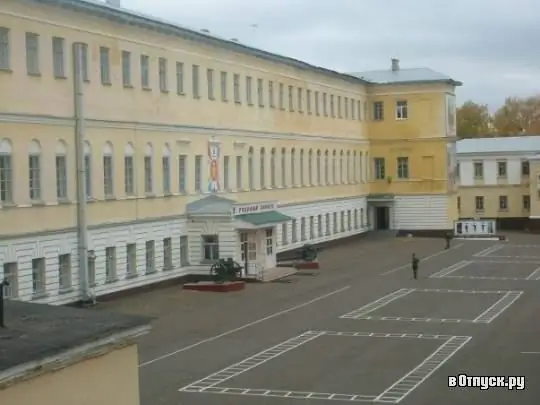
point(114, 3)
point(234, 39)
point(395, 65)
point(205, 31)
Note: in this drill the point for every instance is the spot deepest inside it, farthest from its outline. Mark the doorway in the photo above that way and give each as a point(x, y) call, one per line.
point(382, 218)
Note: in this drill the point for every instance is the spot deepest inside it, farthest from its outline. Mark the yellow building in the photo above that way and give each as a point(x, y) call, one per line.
point(197, 147)
point(86, 358)
point(499, 178)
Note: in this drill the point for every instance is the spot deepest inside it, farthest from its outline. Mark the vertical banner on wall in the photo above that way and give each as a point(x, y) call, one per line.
point(213, 166)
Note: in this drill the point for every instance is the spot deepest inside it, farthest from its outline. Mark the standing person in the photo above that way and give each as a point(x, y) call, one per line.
point(448, 238)
point(414, 263)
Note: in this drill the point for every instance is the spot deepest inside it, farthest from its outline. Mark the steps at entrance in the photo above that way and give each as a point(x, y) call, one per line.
point(276, 273)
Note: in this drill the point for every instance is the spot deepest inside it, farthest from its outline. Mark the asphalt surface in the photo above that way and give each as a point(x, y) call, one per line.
point(353, 331)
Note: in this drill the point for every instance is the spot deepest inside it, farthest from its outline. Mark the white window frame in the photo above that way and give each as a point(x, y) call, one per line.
point(402, 110)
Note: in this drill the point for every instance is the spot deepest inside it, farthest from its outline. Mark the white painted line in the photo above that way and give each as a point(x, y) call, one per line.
point(530, 352)
point(535, 275)
point(409, 319)
point(379, 303)
point(412, 380)
point(516, 257)
point(441, 290)
point(405, 266)
point(487, 278)
point(499, 307)
point(477, 238)
point(451, 269)
point(505, 261)
point(524, 246)
point(247, 325)
point(488, 250)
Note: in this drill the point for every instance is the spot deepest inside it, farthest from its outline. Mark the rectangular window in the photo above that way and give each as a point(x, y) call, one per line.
point(32, 53)
point(167, 254)
point(346, 107)
point(104, 65)
point(300, 100)
point(163, 76)
point(198, 173)
point(59, 63)
point(126, 68)
point(239, 184)
point(223, 78)
point(108, 173)
point(302, 229)
point(291, 98)
point(525, 169)
point(251, 174)
point(150, 257)
point(459, 204)
point(339, 107)
point(226, 170)
point(503, 203)
point(210, 247)
point(34, 172)
point(316, 102)
point(61, 177)
point(182, 175)
point(64, 272)
point(195, 81)
point(325, 104)
point(148, 175)
point(403, 167)
point(294, 231)
point(271, 100)
point(88, 175)
point(327, 223)
point(84, 51)
point(131, 259)
point(380, 170)
point(145, 71)
point(110, 264)
point(335, 222)
point(236, 80)
point(5, 53)
point(308, 101)
point(349, 220)
point(332, 106)
point(38, 276)
point(262, 169)
point(319, 225)
point(281, 96)
point(249, 94)
point(129, 175)
point(356, 219)
point(210, 83)
point(342, 217)
point(180, 78)
point(260, 92)
point(184, 251)
point(378, 111)
point(11, 290)
point(478, 170)
point(6, 178)
point(501, 170)
point(311, 227)
point(91, 263)
point(479, 203)
point(526, 202)
point(402, 110)
point(166, 170)
point(284, 234)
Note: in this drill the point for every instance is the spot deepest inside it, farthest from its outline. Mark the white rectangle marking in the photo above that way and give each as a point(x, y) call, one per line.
point(535, 275)
point(378, 303)
point(499, 307)
point(489, 250)
point(451, 269)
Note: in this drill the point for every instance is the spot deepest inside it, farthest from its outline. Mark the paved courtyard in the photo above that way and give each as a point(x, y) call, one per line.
point(358, 330)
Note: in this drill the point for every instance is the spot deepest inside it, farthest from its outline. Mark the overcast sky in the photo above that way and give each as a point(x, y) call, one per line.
point(489, 45)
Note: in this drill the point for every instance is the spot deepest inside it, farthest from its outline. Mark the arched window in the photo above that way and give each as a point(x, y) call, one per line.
point(6, 171)
point(310, 167)
point(148, 169)
point(251, 178)
point(262, 168)
point(108, 170)
point(129, 170)
point(293, 164)
point(61, 170)
point(34, 171)
point(319, 167)
point(273, 168)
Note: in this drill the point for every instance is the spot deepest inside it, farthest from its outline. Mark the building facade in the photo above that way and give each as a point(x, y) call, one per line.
point(197, 147)
point(499, 178)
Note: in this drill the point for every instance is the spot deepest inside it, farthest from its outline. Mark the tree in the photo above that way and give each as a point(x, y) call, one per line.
point(473, 120)
point(518, 115)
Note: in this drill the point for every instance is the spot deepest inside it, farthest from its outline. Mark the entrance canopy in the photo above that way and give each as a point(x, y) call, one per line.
point(261, 220)
point(374, 198)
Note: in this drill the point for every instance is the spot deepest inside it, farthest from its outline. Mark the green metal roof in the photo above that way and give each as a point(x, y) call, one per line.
point(263, 218)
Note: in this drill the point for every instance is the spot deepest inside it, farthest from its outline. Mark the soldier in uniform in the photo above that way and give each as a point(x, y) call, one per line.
point(414, 263)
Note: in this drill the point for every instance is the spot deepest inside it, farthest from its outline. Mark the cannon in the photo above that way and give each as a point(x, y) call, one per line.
point(225, 270)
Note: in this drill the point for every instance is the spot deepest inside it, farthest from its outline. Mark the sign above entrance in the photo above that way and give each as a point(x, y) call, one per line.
point(243, 209)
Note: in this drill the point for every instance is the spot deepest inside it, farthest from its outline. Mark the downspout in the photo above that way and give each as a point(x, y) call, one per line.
point(82, 228)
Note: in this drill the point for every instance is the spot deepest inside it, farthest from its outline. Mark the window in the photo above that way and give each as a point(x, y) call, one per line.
point(354, 175)
point(302, 182)
point(283, 167)
point(180, 78)
point(251, 168)
point(526, 202)
point(402, 112)
point(525, 168)
point(308, 102)
point(362, 217)
point(326, 168)
point(104, 65)
point(339, 107)
point(458, 170)
point(88, 170)
point(281, 96)
point(325, 104)
point(239, 179)
point(284, 234)
point(341, 174)
point(380, 172)
point(110, 264)
point(335, 223)
point(198, 173)
point(195, 81)
point(61, 174)
point(184, 256)
point(34, 172)
point(260, 92)
point(349, 220)
point(38, 276)
point(5, 62)
point(332, 107)
point(226, 170)
point(262, 168)
point(249, 94)
point(163, 76)
point(166, 169)
point(346, 107)
point(300, 100)
point(129, 171)
point(210, 247)
point(84, 51)
point(32, 53)
point(353, 109)
point(316, 102)
point(150, 257)
point(501, 169)
point(182, 175)
point(355, 219)
point(148, 171)
point(108, 171)
point(126, 68)
point(342, 218)
point(327, 223)
point(310, 167)
point(293, 164)
point(318, 167)
point(478, 170)
point(302, 229)
point(403, 167)
point(236, 80)
point(223, 78)
point(365, 110)
point(64, 272)
point(269, 241)
point(273, 168)
point(59, 65)
point(167, 254)
point(503, 203)
point(271, 100)
point(479, 203)
point(378, 111)
point(334, 167)
point(291, 98)
point(131, 259)
point(145, 72)
point(11, 276)
point(319, 225)
point(294, 231)
point(91, 264)
point(210, 83)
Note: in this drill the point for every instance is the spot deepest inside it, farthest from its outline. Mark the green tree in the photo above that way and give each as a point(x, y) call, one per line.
point(473, 120)
point(518, 116)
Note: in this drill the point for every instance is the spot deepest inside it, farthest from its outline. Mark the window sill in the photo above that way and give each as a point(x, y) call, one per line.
point(39, 296)
point(212, 98)
point(146, 88)
point(181, 93)
point(60, 77)
point(164, 91)
point(168, 194)
point(128, 86)
point(206, 262)
point(111, 281)
point(237, 102)
point(149, 273)
point(67, 290)
point(6, 70)
point(110, 198)
point(33, 74)
point(107, 83)
point(131, 276)
point(64, 201)
point(37, 204)
point(168, 268)
point(6, 204)
point(149, 195)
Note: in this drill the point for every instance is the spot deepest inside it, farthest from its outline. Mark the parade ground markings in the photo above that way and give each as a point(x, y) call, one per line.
point(486, 269)
point(437, 305)
point(511, 251)
point(340, 366)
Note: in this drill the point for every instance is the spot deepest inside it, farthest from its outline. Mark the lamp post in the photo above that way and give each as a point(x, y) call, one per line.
point(3, 284)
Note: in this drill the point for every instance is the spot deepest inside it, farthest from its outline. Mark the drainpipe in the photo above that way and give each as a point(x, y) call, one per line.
point(82, 228)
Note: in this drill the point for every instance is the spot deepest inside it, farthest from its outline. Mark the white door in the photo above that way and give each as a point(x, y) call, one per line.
point(248, 241)
point(269, 248)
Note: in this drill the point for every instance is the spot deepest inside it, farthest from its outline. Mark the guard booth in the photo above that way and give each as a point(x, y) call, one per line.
point(475, 229)
point(245, 232)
